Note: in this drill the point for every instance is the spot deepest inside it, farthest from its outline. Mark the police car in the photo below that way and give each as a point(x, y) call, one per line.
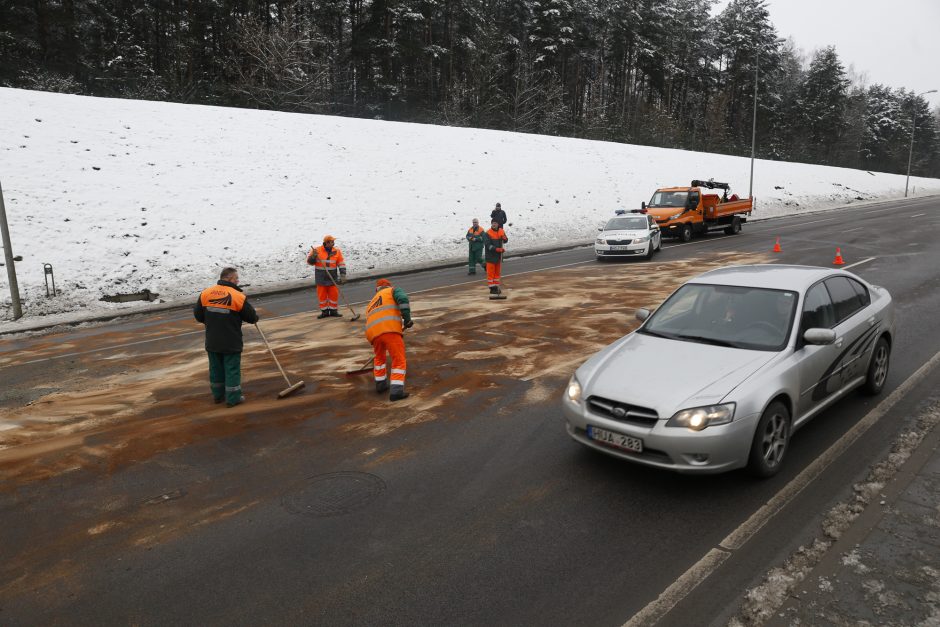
point(628, 234)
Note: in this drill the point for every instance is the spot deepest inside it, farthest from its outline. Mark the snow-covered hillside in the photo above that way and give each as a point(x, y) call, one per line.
point(122, 195)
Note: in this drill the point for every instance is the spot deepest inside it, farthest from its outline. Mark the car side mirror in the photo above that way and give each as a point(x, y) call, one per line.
point(819, 337)
point(643, 205)
point(642, 314)
point(600, 229)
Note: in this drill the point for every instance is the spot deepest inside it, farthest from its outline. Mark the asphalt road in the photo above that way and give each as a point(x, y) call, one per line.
point(488, 516)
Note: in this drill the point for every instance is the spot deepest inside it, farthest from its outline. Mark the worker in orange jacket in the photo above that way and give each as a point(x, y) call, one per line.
point(494, 239)
point(330, 271)
point(387, 317)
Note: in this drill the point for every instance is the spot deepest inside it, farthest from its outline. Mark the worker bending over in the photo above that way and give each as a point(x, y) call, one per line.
point(387, 316)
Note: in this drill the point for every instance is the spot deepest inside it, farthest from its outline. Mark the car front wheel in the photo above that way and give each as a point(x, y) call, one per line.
point(685, 232)
point(770, 441)
point(878, 368)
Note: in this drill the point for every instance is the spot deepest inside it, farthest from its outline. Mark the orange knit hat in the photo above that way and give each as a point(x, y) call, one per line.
point(383, 283)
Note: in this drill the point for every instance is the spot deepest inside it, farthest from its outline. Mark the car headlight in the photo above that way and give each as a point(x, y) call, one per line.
point(642, 240)
point(601, 242)
point(677, 216)
point(697, 418)
point(573, 391)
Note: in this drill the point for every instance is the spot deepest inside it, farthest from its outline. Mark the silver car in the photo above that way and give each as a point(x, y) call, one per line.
point(730, 365)
point(629, 233)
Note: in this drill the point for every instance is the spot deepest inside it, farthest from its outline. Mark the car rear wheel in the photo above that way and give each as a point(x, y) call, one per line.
point(878, 368)
point(685, 232)
point(770, 441)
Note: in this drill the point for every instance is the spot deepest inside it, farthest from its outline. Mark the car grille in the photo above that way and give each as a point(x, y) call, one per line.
point(622, 412)
point(619, 242)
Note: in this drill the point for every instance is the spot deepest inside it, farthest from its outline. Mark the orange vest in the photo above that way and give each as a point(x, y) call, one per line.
point(222, 299)
point(383, 315)
point(497, 234)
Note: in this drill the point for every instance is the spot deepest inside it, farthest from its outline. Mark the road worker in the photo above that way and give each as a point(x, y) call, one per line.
point(475, 238)
point(387, 316)
point(330, 271)
point(494, 239)
point(222, 308)
point(498, 214)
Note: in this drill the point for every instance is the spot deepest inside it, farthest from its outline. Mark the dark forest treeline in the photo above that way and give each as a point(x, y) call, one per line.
point(657, 72)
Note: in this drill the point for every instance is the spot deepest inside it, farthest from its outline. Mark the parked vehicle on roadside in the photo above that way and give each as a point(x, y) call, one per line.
point(628, 234)
point(684, 212)
point(734, 361)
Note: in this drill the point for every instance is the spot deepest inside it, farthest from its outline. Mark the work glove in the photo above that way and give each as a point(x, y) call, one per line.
point(500, 250)
point(409, 324)
point(341, 279)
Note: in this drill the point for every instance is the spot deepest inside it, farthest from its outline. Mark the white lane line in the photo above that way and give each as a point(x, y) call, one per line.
point(746, 530)
point(858, 263)
point(859, 228)
point(917, 215)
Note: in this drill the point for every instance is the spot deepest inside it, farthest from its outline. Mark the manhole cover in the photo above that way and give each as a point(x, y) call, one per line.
point(334, 494)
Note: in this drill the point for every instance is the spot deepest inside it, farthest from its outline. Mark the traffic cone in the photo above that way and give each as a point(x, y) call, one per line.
point(777, 248)
point(838, 260)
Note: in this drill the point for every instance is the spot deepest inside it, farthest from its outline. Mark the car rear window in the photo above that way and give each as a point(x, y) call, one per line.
point(846, 300)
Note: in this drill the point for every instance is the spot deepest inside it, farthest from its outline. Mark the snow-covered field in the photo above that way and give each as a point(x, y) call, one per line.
point(122, 195)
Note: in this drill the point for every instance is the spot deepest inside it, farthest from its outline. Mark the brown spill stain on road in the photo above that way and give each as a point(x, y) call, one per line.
point(132, 407)
point(462, 343)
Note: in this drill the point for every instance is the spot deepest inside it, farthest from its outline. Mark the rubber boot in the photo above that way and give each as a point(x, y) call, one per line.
point(381, 386)
point(241, 399)
point(335, 313)
point(398, 393)
point(324, 314)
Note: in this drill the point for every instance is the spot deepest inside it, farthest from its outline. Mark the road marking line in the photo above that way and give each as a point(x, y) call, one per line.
point(859, 228)
point(691, 578)
point(917, 215)
point(700, 571)
point(103, 348)
point(858, 263)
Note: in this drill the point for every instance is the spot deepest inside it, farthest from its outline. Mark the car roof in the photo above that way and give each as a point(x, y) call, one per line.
point(775, 276)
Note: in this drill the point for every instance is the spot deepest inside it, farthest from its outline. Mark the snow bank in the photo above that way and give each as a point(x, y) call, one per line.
point(122, 195)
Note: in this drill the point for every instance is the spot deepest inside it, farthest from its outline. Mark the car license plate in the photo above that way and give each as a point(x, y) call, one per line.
point(620, 248)
point(613, 438)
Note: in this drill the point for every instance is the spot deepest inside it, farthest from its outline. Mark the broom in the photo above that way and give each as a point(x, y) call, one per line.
point(290, 388)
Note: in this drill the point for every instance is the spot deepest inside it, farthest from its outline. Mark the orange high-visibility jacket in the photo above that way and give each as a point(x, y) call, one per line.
point(324, 262)
point(383, 315)
point(219, 297)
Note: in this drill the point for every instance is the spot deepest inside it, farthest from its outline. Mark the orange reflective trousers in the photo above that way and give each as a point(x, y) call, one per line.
point(394, 345)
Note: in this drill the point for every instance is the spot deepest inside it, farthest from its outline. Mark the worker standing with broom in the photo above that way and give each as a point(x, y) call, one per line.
point(387, 317)
point(494, 239)
point(329, 271)
point(222, 308)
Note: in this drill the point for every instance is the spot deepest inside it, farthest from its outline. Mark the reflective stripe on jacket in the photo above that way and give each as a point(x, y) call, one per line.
point(383, 315)
point(324, 262)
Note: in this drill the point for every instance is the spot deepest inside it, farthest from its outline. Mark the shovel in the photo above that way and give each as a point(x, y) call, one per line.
point(290, 388)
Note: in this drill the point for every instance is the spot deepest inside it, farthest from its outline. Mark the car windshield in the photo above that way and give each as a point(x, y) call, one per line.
point(668, 199)
point(724, 315)
point(629, 223)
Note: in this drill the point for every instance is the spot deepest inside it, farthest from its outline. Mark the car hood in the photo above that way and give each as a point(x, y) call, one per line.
point(668, 375)
point(623, 234)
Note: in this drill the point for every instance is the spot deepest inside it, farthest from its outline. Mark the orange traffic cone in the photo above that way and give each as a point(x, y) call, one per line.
point(838, 260)
point(777, 248)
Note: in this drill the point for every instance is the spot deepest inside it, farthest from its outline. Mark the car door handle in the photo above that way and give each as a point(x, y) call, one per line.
point(838, 342)
point(871, 321)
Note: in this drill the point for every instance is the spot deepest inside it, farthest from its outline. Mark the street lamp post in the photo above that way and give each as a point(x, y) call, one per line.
point(750, 190)
point(910, 153)
point(8, 255)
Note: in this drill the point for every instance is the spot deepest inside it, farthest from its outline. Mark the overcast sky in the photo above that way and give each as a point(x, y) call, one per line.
point(893, 42)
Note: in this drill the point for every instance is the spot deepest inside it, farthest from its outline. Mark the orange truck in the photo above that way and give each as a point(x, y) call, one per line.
point(685, 212)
